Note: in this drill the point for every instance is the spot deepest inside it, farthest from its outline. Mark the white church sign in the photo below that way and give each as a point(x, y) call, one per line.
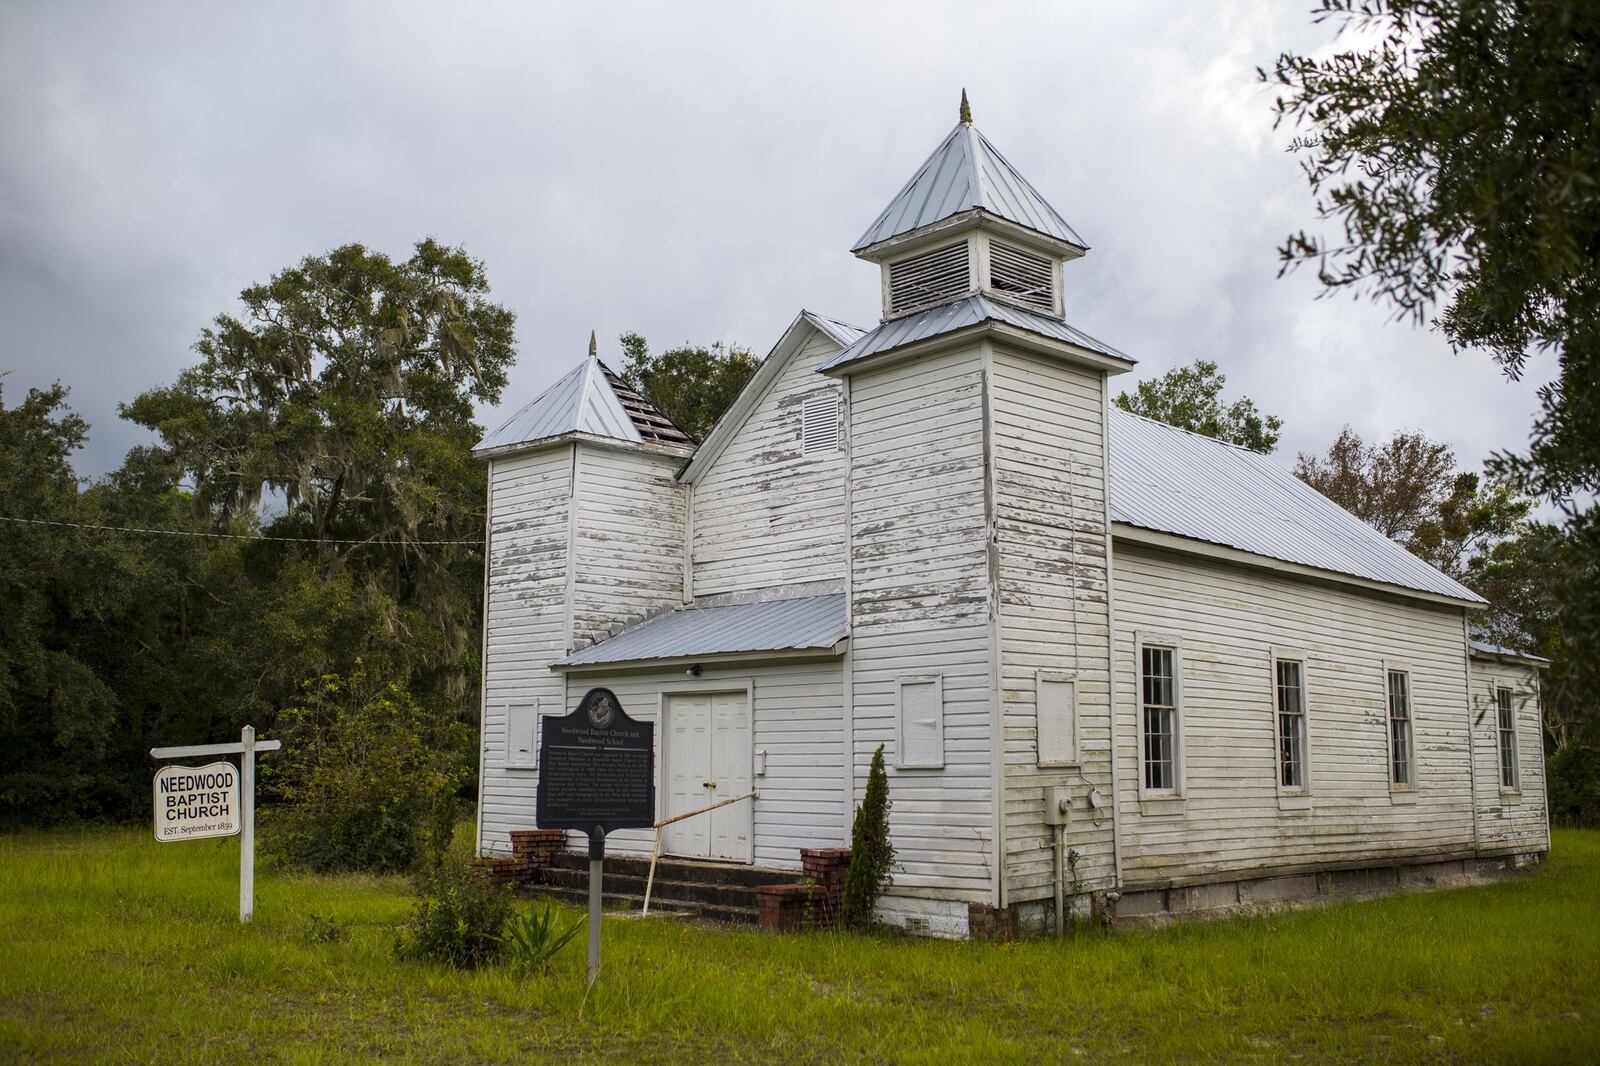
point(195, 802)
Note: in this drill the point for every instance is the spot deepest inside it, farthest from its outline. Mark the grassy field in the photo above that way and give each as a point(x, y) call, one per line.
point(116, 948)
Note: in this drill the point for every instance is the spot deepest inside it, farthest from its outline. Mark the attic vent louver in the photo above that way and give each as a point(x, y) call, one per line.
point(929, 278)
point(819, 424)
point(1023, 276)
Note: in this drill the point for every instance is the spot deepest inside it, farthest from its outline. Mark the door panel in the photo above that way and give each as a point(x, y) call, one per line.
point(731, 753)
point(688, 757)
point(708, 757)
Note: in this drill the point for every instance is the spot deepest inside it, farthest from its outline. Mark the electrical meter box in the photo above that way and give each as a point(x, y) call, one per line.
point(1057, 805)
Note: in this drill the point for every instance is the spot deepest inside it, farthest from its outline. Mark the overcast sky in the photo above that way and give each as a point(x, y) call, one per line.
point(691, 171)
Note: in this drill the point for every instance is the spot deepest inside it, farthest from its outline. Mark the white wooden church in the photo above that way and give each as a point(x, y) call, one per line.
point(937, 535)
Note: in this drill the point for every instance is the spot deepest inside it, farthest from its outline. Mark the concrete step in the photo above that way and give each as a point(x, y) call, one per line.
point(629, 901)
point(624, 884)
point(719, 873)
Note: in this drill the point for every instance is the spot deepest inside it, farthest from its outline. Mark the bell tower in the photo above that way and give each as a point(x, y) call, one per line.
point(968, 224)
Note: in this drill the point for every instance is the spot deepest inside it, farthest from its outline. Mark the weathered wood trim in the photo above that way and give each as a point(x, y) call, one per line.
point(682, 451)
point(1406, 793)
point(688, 543)
point(970, 219)
point(997, 679)
point(1174, 643)
point(1111, 631)
point(1190, 546)
point(483, 660)
point(963, 338)
point(572, 550)
point(1472, 759)
point(848, 678)
point(1285, 793)
point(837, 651)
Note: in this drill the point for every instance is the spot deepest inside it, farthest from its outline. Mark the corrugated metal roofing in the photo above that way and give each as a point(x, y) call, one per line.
point(964, 173)
point(1484, 647)
point(947, 318)
point(1172, 481)
point(584, 401)
point(842, 333)
point(799, 624)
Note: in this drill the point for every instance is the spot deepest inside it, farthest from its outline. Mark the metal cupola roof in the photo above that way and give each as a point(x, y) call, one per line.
point(590, 400)
point(967, 173)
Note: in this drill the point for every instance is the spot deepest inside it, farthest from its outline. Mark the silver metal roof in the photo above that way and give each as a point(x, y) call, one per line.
point(586, 400)
point(1182, 483)
point(801, 624)
point(1484, 647)
point(964, 173)
point(841, 333)
point(947, 318)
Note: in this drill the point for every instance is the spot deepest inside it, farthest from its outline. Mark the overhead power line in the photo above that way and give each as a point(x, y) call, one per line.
point(219, 536)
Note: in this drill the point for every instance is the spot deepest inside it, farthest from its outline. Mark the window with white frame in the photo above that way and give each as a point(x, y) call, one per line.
point(819, 424)
point(1291, 701)
point(1402, 771)
point(920, 723)
point(522, 723)
point(1506, 720)
point(1159, 713)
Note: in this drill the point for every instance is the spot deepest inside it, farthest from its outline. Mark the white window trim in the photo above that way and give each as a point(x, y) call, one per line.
point(540, 708)
point(1065, 677)
point(1290, 796)
point(1405, 793)
point(1515, 788)
point(900, 684)
point(1160, 801)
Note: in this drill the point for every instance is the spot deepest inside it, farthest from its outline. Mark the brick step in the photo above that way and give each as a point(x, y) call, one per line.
point(632, 902)
point(665, 887)
point(683, 870)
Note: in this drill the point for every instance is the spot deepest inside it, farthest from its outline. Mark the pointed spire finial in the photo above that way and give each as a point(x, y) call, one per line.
point(594, 346)
point(966, 109)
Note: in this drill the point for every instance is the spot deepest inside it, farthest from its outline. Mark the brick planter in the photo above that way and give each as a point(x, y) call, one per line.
point(531, 851)
point(814, 903)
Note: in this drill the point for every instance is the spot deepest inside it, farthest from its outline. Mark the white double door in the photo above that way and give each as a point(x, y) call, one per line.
point(708, 757)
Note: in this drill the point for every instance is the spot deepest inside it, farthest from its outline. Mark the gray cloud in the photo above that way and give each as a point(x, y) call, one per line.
point(691, 172)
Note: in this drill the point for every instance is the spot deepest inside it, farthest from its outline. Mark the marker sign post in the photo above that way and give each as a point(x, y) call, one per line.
point(215, 800)
point(596, 774)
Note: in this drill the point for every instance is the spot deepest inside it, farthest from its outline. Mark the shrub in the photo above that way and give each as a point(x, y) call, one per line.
point(459, 919)
point(532, 940)
point(322, 929)
point(368, 777)
point(871, 853)
point(1575, 781)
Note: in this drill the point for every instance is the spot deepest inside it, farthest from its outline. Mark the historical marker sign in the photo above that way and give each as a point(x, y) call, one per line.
point(597, 773)
point(596, 768)
point(194, 802)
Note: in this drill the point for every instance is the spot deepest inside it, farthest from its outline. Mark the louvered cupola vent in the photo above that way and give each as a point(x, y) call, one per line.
point(929, 278)
point(1023, 276)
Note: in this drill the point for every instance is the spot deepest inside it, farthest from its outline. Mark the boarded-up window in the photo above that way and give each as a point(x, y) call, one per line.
point(819, 424)
point(929, 278)
point(522, 719)
point(1021, 275)
point(921, 723)
point(1057, 708)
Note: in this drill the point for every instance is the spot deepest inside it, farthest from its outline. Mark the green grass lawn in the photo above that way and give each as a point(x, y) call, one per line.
point(118, 948)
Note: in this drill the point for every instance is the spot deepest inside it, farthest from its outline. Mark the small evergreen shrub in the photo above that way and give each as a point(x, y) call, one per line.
point(367, 779)
point(459, 919)
point(532, 939)
point(871, 853)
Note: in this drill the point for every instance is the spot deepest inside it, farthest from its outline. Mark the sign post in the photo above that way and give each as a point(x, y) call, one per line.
point(195, 802)
point(596, 774)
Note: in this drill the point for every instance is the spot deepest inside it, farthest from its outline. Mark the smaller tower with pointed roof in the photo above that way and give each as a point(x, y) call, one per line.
point(967, 223)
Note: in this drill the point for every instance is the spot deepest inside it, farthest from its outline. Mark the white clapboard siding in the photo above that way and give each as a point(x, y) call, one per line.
point(628, 539)
point(1227, 620)
point(766, 513)
point(1050, 492)
point(524, 623)
point(1517, 821)
point(798, 719)
point(920, 606)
